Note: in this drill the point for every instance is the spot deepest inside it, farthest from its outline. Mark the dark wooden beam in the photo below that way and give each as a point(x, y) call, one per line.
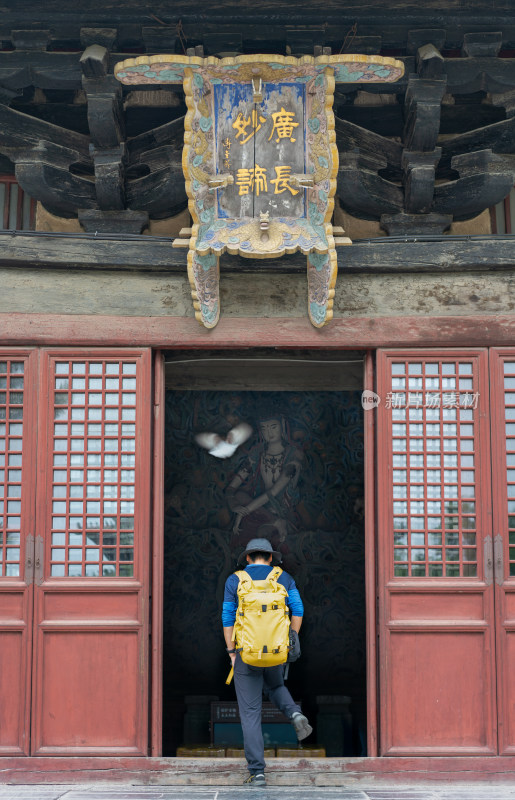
point(114, 222)
point(147, 253)
point(94, 61)
point(105, 112)
point(106, 37)
point(109, 177)
point(55, 187)
point(422, 109)
point(485, 179)
point(421, 37)
point(351, 137)
point(406, 224)
point(482, 44)
point(106, 127)
point(505, 100)
point(43, 154)
point(174, 333)
point(430, 62)
point(487, 74)
point(362, 191)
point(391, 23)
point(499, 137)
point(419, 179)
point(31, 40)
point(170, 134)
point(20, 133)
point(45, 70)
point(162, 192)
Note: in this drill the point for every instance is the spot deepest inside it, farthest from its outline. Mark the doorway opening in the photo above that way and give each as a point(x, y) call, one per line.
point(317, 524)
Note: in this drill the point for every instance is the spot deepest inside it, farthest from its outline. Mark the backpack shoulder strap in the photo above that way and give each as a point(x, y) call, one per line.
point(245, 581)
point(275, 574)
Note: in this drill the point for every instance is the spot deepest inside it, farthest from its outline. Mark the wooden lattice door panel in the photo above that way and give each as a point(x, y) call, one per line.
point(436, 594)
point(502, 387)
point(91, 610)
point(17, 473)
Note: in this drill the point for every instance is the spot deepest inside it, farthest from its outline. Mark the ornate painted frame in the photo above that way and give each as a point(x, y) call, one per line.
point(212, 233)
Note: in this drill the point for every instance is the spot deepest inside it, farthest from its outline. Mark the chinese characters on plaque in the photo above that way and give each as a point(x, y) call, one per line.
point(262, 146)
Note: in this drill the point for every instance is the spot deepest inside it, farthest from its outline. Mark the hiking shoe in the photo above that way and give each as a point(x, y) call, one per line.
point(301, 725)
point(256, 780)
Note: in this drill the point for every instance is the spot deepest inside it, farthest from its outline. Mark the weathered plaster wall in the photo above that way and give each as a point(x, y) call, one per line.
point(254, 295)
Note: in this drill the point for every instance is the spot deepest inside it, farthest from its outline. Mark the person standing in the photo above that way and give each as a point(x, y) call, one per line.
point(250, 680)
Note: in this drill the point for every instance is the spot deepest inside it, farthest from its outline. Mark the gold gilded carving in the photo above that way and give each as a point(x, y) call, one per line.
point(254, 121)
point(284, 124)
point(274, 245)
point(252, 180)
point(305, 181)
point(220, 182)
point(200, 143)
point(257, 90)
point(282, 180)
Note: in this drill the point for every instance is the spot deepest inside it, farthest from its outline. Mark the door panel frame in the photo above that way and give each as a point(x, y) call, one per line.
point(157, 557)
point(22, 587)
point(391, 587)
point(45, 627)
point(503, 583)
point(369, 419)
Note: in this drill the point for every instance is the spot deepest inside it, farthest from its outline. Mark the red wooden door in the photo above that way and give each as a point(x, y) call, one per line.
point(18, 373)
point(502, 384)
point(437, 637)
point(74, 560)
point(90, 663)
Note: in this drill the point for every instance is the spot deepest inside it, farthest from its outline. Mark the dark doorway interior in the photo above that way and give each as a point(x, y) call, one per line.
point(321, 540)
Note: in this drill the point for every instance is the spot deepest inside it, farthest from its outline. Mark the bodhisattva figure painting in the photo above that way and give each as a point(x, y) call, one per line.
point(263, 493)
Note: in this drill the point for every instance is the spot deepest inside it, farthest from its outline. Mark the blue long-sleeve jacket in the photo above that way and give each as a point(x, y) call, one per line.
point(258, 572)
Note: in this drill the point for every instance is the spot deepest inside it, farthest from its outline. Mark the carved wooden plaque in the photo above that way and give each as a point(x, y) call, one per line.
point(260, 160)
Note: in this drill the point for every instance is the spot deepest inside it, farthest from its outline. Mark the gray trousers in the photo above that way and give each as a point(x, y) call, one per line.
point(249, 683)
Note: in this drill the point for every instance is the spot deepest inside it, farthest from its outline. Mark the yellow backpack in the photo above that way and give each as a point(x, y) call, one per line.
point(262, 626)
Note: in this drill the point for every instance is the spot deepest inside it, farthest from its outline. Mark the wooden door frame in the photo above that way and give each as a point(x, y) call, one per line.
point(503, 582)
point(20, 612)
point(158, 554)
point(157, 560)
point(138, 585)
point(389, 586)
point(371, 588)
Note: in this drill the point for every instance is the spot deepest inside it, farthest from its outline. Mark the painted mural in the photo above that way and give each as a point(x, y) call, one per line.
point(288, 466)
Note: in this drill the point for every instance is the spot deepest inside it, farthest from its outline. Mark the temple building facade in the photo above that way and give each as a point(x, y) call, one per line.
point(292, 221)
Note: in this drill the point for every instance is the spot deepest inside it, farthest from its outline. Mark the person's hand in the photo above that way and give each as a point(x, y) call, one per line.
point(294, 648)
point(232, 656)
point(242, 511)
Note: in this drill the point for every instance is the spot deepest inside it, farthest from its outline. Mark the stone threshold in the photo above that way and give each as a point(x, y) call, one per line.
point(337, 772)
